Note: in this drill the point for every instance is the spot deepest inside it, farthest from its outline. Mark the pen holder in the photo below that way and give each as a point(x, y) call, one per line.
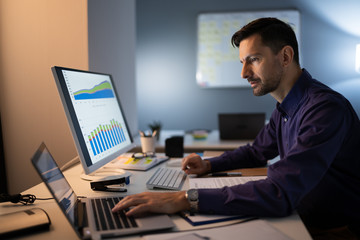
point(148, 144)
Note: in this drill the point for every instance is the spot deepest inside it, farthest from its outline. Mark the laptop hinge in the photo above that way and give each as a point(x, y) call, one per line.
point(81, 221)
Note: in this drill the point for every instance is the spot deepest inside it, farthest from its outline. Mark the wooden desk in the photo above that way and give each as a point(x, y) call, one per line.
point(244, 171)
point(212, 142)
point(61, 229)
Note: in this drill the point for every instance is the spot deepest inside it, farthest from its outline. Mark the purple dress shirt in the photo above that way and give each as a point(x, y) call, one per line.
point(316, 133)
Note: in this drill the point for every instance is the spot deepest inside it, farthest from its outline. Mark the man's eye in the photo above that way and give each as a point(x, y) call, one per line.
point(255, 59)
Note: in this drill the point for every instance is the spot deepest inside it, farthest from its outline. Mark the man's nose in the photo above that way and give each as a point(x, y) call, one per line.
point(246, 71)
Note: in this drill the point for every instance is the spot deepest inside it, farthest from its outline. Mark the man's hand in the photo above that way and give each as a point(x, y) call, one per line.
point(193, 164)
point(153, 202)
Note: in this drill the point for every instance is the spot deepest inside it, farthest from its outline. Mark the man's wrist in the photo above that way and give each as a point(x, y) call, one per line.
point(183, 203)
point(208, 166)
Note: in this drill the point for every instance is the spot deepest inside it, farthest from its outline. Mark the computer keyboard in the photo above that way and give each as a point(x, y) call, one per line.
point(105, 219)
point(167, 178)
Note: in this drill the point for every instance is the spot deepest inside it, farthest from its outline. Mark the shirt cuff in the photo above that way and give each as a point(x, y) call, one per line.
point(211, 201)
point(216, 163)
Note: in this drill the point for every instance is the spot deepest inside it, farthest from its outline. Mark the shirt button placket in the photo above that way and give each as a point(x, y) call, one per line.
point(285, 120)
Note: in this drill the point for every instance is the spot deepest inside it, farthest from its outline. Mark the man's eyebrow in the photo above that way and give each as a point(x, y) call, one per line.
point(249, 56)
point(242, 60)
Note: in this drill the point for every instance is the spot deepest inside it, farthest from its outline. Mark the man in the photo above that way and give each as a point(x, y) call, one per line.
point(314, 130)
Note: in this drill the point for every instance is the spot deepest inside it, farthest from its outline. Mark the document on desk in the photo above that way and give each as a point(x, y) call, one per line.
point(253, 230)
point(202, 219)
point(127, 161)
point(219, 182)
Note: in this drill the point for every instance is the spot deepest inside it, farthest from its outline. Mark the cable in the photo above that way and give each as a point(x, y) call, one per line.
point(18, 198)
point(44, 198)
point(24, 199)
point(70, 163)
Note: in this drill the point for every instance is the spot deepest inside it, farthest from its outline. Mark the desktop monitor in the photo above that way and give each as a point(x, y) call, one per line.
point(95, 117)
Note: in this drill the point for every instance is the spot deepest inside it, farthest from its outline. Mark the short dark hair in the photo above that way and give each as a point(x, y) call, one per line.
point(274, 33)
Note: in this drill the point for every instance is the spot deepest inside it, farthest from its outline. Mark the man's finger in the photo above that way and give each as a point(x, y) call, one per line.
point(127, 202)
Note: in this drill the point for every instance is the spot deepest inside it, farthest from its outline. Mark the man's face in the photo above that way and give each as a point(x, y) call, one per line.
point(261, 67)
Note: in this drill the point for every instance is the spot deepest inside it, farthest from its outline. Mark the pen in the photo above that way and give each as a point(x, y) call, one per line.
point(229, 174)
point(154, 133)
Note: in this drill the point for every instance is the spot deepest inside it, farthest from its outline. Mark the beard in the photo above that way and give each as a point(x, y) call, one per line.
point(268, 84)
point(262, 88)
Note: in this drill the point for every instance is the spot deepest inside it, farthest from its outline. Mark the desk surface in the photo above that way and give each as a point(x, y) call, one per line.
point(61, 229)
point(212, 142)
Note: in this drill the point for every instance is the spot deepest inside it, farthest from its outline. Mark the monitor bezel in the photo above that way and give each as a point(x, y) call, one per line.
point(74, 124)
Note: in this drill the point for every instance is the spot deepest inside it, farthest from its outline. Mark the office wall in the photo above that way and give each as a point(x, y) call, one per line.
point(112, 44)
point(35, 35)
point(166, 58)
point(3, 179)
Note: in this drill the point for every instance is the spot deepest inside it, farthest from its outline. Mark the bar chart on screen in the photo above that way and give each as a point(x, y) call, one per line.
point(101, 123)
point(106, 136)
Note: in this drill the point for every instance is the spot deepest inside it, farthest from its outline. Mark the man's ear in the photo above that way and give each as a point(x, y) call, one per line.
point(287, 55)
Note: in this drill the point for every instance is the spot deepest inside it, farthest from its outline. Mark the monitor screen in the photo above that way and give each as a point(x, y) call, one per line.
point(95, 116)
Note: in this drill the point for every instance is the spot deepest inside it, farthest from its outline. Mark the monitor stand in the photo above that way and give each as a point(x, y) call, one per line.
point(105, 173)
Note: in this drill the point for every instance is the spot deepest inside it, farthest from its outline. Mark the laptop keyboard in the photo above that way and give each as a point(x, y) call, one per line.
point(107, 220)
point(167, 178)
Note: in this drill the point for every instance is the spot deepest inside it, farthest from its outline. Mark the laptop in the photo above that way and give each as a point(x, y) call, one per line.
point(91, 217)
point(240, 125)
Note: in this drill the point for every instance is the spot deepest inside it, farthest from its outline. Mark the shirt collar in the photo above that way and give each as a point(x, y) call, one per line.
point(292, 100)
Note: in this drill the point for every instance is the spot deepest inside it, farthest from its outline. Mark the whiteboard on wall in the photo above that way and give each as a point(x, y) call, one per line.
point(218, 62)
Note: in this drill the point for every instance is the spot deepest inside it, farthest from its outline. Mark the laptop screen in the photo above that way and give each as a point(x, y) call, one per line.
point(55, 181)
point(95, 116)
point(240, 125)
